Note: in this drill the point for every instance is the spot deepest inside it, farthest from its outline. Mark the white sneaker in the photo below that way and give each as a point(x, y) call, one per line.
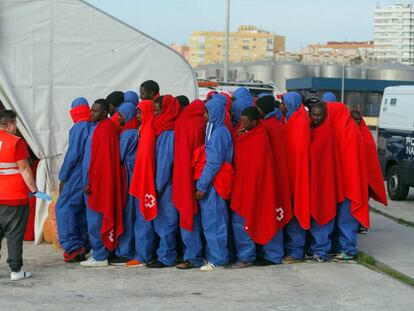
point(17, 276)
point(91, 262)
point(210, 267)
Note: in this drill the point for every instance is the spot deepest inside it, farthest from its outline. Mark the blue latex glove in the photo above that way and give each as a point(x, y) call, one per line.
point(43, 196)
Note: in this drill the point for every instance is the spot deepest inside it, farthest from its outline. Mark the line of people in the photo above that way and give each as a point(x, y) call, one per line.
point(229, 179)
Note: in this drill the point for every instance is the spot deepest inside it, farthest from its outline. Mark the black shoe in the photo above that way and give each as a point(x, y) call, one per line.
point(118, 261)
point(362, 230)
point(156, 264)
point(263, 262)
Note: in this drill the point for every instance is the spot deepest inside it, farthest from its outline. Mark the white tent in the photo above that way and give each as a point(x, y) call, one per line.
point(52, 51)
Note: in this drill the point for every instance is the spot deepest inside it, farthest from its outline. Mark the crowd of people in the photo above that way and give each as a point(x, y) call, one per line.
point(229, 181)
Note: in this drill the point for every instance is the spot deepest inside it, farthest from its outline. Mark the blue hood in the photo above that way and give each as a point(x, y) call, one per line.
point(263, 94)
point(216, 111)
point(128, 110)
point(79, 102)
point(277, 113)
point(131, 97)
point(242, 100)
point(329, 97)
point(293, 101)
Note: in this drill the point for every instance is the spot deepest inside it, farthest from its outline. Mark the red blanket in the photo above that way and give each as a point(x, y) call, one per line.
point(189, 133)
point(254, 192)
point(81, 113)
point(170, 109)
point(105, 182)
point(375, 179)
point(227, 116)
point(223, 181)
point(143, 178)
point(116, 120)
point(298, 138)
point(326, 174)
point(353, 163)
point(277, 138)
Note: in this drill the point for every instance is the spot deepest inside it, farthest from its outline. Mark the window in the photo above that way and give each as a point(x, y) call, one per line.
point(393, 102)
point(245, 47)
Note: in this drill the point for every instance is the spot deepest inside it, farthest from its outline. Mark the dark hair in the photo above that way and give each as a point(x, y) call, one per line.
point(115, 98)
point(103, 103)
point(252, 113)
point(266, 104)
point(151, 86)
point(183, 100)
point(320, 105)
point(7, 116)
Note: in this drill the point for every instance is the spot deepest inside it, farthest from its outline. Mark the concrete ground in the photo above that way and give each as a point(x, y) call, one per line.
point(306, 286)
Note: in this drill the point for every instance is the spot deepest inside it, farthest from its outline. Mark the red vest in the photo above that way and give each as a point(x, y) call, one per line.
point(12, 185)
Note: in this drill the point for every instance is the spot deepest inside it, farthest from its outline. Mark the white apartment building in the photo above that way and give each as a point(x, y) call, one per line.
point(394, 33)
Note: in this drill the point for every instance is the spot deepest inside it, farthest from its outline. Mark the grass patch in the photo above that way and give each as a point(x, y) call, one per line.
point(371, 263)
point(396, 219)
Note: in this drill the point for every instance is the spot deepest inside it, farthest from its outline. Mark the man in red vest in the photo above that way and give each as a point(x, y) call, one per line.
point(16, 181)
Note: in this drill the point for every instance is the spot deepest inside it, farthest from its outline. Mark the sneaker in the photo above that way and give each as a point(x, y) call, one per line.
point(185, 265)
point(118, 261)
point(342, 257)
point(362, 230)
point(264, 262)
point(91, 262)
point(210, 267)
point(317, 258)
point(134, 263)
point(290, 259)
point(156, 264)
point(75, 256)
point(241, 264)
point(17, 276)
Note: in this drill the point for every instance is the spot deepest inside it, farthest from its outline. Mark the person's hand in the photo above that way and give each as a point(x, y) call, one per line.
point(42, 196)
point(61, 186)
point(87, 189)
point(200, 195)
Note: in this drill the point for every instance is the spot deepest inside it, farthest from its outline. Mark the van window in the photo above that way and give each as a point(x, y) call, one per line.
point(393, 102)
point(386, 101)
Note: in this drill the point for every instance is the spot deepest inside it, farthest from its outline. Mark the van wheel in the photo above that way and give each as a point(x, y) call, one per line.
point(397, 190)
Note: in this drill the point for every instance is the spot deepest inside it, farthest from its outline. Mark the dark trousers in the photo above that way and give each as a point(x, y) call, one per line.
point(13, 221)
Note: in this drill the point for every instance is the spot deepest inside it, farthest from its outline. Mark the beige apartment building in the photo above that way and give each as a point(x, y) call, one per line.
point(248, 44)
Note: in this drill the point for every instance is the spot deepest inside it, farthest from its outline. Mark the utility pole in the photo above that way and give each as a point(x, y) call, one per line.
point(226, 53)
point(343, 79)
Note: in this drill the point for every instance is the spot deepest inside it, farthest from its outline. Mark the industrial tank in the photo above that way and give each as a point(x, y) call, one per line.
point(314, 71)
point(353, 72)
point(332, 71)
point(392, 71)
point(288, 70)
point(261, 71)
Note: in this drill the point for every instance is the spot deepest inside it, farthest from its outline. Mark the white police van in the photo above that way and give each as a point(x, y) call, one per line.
point(396, 140)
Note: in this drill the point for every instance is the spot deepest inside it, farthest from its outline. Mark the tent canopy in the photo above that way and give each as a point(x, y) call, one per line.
point(52, 51)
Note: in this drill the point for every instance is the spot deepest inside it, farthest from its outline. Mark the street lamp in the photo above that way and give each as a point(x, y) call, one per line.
point(226, 53)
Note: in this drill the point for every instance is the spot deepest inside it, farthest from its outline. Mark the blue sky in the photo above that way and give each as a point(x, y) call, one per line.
point(301, 21)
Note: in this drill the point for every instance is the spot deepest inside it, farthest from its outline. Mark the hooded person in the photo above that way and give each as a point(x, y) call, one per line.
point(298, 139)
point(128, 142)
point(256, 217)
point(375, 178)
point(326, 183)
point(329, 97)
point(241, 100)
point(214, 215)
point(131, 97)
point(166, 111)
point(142, 187)
point(354, 209)
point(271, 121)
point(102, 177)
point(189, 134)
point(70, 206)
